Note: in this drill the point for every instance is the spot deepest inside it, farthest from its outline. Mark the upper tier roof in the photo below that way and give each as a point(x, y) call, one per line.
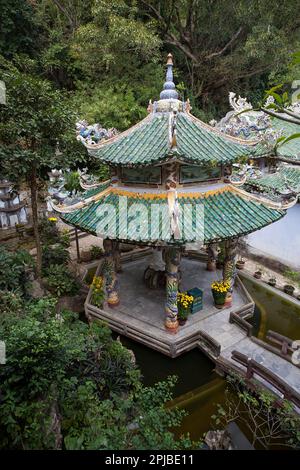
point(149, 143)
point(169, 132)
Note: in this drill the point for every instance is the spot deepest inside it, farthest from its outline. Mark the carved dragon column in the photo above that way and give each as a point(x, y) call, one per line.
point(172, 259)
point(212, 251)
point(229, 269)
point(117, 257)
point(109, 273)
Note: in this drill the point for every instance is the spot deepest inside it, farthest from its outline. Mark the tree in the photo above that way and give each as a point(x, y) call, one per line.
point(37, 132)
point(69, 385)
point(223, 45)
point(19, 27)
point(269, 421)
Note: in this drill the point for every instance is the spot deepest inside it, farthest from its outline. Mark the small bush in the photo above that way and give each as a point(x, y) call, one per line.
point(15, 270)
point(10, 302)
point(60, 281)
point(96, 252)
point(54, 255)
point(49, 231)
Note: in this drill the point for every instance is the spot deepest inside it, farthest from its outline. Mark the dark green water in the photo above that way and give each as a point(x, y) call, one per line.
point(199, 388)
point(272, 312)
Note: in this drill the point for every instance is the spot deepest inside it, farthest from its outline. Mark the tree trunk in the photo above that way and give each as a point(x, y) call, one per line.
point(33, 190)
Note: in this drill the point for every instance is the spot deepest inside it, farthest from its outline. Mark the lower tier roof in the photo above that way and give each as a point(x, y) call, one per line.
point(285, 180)
point(157, 218)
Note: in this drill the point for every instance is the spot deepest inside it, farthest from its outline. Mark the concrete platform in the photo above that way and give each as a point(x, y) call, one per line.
point(140, 314)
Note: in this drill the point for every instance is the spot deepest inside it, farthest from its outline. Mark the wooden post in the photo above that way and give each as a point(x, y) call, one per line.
point(249, 373)
point(77, 245)
point(172, 258)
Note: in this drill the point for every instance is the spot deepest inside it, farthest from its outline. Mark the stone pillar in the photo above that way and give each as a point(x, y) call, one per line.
point(229, 269)
point(212, 251)
point(157, 263)
point(117, 257)
point(109, 274)
point(172, 258)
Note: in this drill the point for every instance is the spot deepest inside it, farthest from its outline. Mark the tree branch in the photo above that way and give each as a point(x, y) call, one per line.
point(279, 116)
point(234, 37)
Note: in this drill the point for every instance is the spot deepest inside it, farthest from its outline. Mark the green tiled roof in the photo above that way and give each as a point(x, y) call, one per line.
point(149, 142)
point(143, 144)
point(97, 189)
point(226, 214)
point(198, 143)
point(292, 148)
point(285, 179)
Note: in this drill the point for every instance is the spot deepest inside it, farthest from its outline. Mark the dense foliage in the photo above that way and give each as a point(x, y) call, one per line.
point(67, 384)
point(110, 53)
point(15, 268)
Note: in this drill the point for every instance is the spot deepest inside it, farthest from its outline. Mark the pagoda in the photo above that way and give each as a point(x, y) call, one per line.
point(12, 209)
point(171, 184)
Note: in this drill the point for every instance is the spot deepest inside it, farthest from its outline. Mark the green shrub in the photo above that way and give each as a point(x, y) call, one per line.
point(96, 252)
point(48, 229)
point(294, 276)
point(67, 384)
point(11, 301)
point(15, 268)
point(54, 255)
point(72, 182)
point(65, 238)
point(60, 281)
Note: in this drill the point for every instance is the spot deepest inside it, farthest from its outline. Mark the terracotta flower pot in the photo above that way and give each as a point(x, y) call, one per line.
point(240, 264)
point(288, 289)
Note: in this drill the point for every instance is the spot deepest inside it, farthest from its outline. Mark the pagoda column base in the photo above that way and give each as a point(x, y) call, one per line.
point(229, 269)
point(172, 258)
point(212, 251)
point(109, 273)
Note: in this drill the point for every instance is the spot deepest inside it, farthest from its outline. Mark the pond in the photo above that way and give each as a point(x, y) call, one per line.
point(199, 389)
point(273, 312)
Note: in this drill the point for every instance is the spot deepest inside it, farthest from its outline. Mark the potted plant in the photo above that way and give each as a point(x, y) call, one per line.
point(240, 264)
point(288, 289)
point(97, 297)
point(219, 291)
point(184, 303)
point(258, 273)
point(272, 281)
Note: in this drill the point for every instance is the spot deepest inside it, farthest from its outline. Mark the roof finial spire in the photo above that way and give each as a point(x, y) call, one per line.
point(169, 91)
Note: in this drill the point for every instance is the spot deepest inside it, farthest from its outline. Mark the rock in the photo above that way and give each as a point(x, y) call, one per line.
point(85, 255)
point(74, 303)
point(218, 440)
point(36, 290)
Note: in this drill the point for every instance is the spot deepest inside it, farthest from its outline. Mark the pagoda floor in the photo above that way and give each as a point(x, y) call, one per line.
point(140, 314)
